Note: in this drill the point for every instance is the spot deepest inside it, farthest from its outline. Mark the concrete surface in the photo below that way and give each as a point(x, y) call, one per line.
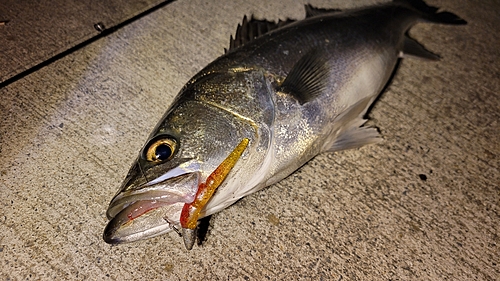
point(33, 32)
point(422, 205)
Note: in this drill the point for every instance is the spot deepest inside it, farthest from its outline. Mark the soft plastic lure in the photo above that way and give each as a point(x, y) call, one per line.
point(191, 211)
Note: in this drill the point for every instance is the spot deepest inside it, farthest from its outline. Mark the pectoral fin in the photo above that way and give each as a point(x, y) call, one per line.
point(308, 77)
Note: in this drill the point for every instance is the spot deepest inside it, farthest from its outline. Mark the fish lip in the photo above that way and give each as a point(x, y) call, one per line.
point(116, 231)
point(130, 211)
point(156, 189)
point(123, 200)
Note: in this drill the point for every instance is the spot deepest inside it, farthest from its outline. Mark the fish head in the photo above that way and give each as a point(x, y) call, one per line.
point(186, 146)
point(149, 197)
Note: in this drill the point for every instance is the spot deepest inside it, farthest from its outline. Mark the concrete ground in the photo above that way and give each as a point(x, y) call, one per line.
point(421, 205)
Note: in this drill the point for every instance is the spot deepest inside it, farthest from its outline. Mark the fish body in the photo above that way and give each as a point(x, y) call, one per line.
point(293, 89)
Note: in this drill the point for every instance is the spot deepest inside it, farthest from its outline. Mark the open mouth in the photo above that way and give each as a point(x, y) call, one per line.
point(150, 210)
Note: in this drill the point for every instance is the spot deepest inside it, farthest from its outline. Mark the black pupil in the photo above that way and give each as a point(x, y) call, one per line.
point(163, 152)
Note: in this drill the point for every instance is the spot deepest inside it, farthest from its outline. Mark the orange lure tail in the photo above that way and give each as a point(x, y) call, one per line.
point(191, 211)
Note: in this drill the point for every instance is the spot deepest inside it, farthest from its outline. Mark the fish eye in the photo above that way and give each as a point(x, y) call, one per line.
point(161, 149)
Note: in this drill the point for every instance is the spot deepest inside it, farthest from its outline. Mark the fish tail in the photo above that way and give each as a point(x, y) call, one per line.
point(432, 14)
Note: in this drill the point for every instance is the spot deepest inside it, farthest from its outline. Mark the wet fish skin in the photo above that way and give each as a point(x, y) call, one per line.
point(296, 91)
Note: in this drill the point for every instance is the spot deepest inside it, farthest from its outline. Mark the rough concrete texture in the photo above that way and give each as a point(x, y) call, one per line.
point(32, 32)
point(422, 205)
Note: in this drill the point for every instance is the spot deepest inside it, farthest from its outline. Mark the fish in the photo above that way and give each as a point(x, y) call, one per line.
point(282, 93)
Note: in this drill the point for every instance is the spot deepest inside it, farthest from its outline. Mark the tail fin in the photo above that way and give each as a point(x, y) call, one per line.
point(431, 13)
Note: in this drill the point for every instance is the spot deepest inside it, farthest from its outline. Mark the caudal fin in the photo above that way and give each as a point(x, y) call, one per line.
point(431, 13)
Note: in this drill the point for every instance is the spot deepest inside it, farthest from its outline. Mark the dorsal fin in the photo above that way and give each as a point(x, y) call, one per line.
point(313, 11)
point(251, 29)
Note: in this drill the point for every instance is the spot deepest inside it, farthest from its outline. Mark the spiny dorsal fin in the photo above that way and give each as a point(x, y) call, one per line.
point(251, 29)
point(308, 77)
point(313, 11)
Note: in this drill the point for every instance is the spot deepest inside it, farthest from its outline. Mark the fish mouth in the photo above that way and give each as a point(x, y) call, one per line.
point(149, 210)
